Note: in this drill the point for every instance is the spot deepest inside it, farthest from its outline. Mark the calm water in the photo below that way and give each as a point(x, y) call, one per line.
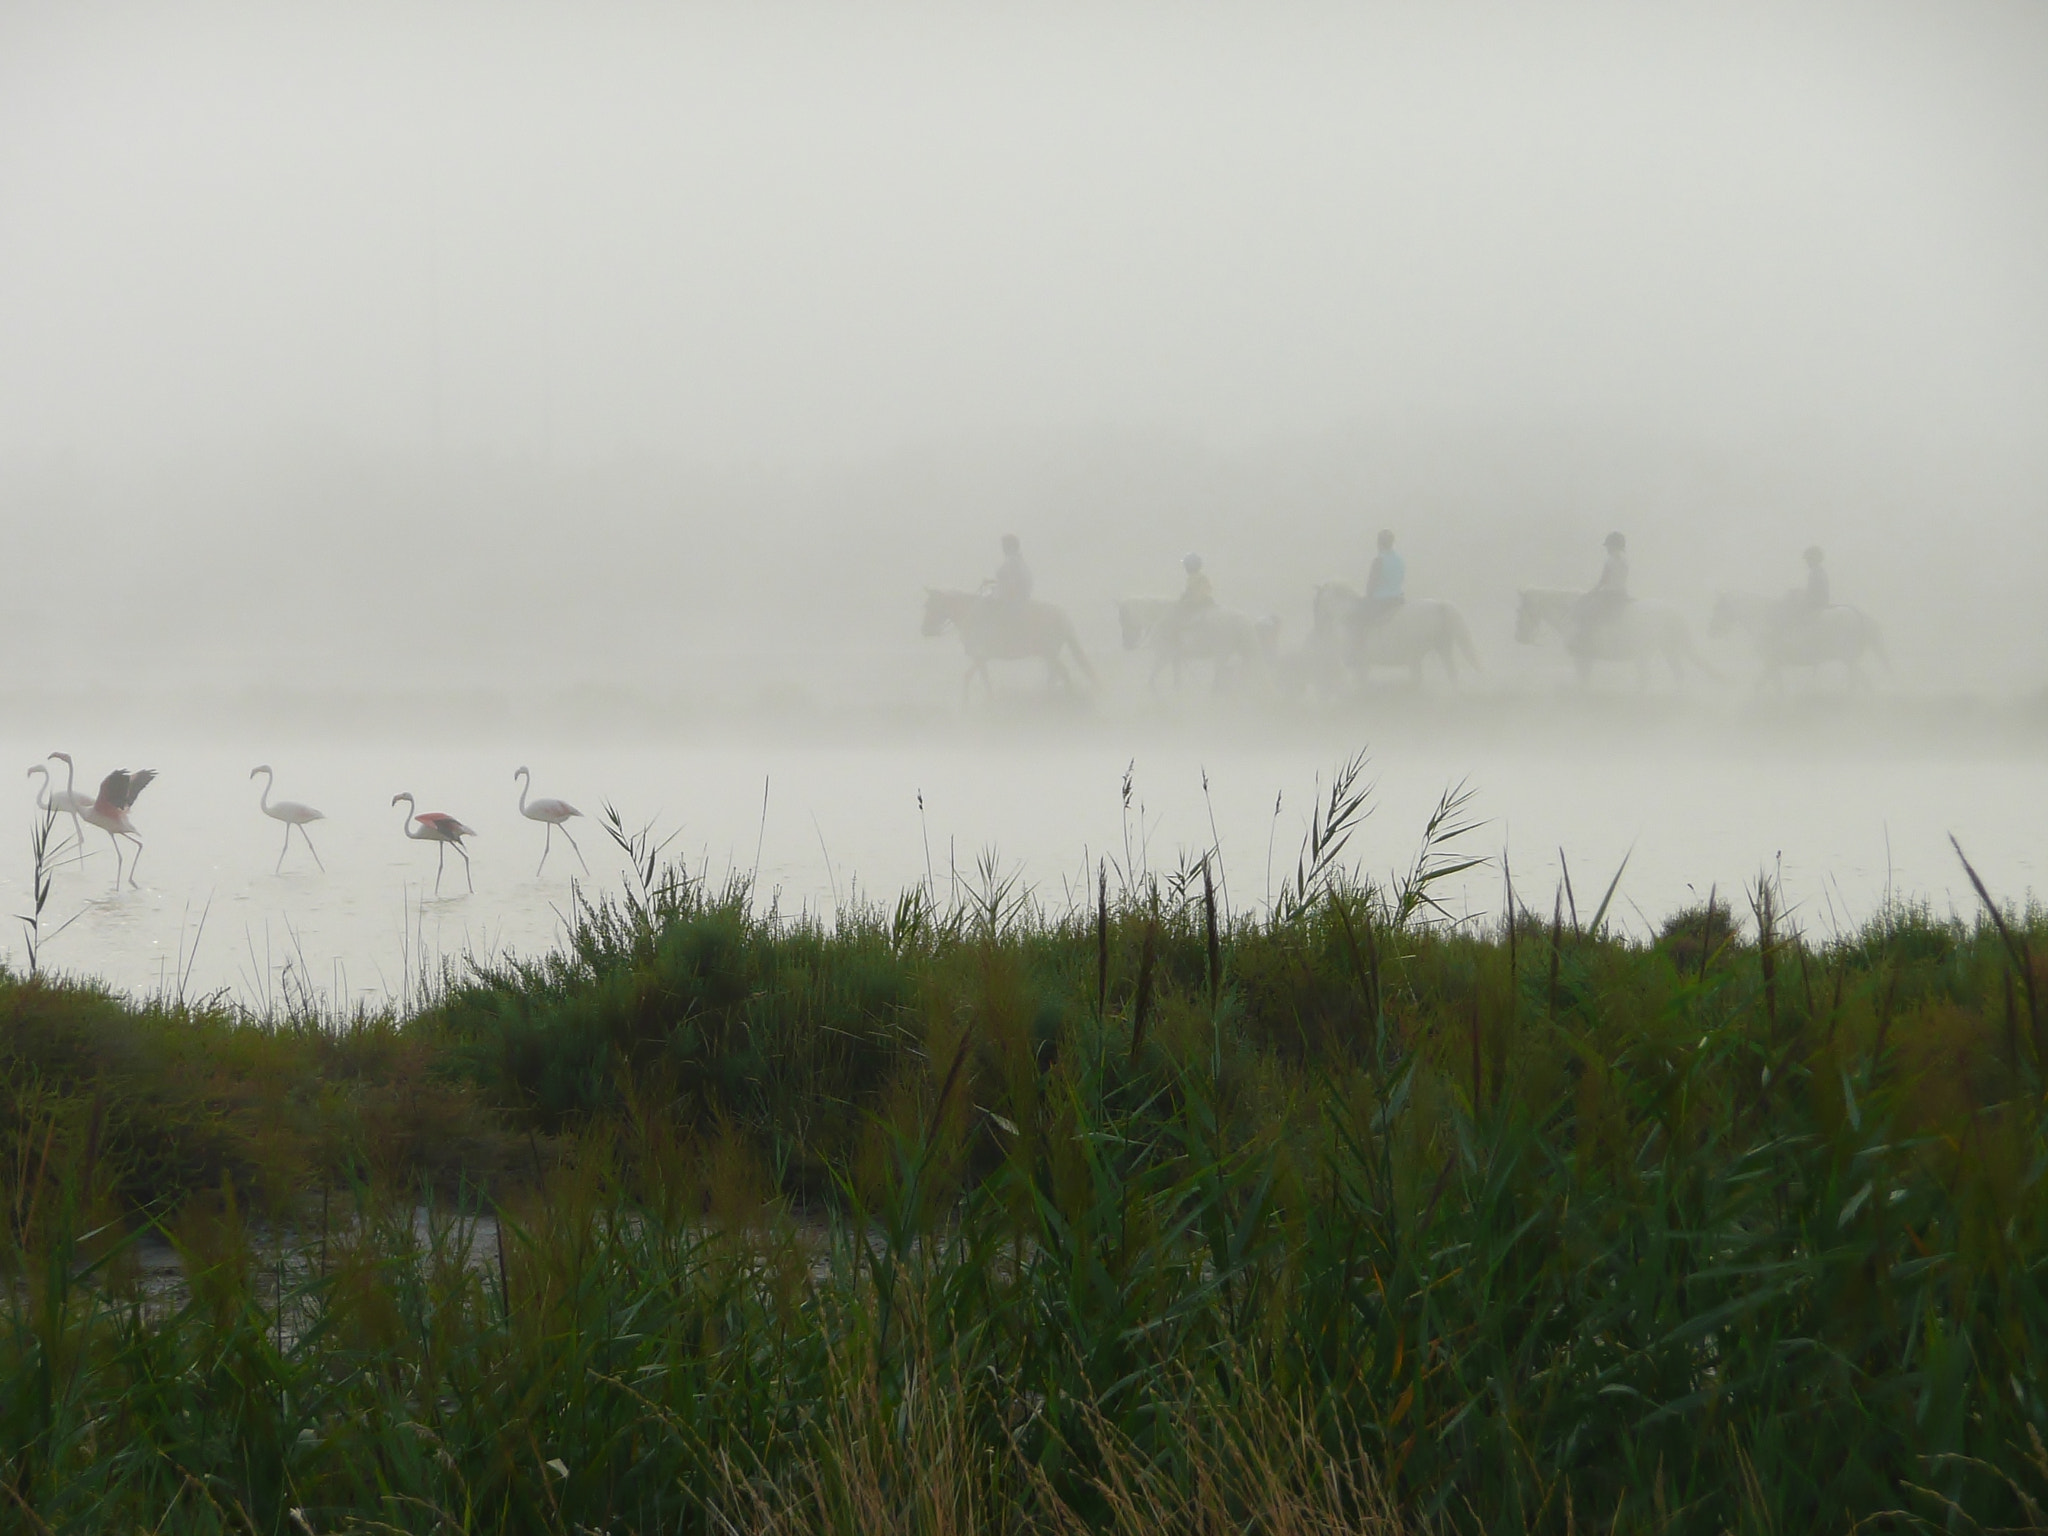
point(1841, 829)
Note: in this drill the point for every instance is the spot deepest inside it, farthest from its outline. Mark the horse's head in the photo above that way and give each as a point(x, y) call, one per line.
point(937, 614)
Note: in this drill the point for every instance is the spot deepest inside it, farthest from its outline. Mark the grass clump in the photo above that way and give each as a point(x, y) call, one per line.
point(1133, 1217)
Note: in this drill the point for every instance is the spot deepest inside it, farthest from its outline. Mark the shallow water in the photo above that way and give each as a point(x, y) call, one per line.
point(1689, 809)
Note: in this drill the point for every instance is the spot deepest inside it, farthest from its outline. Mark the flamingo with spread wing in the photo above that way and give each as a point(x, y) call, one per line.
point(119, 791)
point(437, 827)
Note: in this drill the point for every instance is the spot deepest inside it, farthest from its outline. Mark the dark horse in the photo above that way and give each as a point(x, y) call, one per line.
point(992, 631)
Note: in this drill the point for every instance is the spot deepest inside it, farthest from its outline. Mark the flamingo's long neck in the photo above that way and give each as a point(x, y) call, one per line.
point(43, 793)
point(525, 783)
point(412, 815)
point(266, 792)
point(70, 777)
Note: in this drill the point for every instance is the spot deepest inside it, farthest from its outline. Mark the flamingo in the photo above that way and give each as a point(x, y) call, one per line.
point(555, 813)
point(119, 791)
point(292, 814)
point(68, 802)
point(438, 827)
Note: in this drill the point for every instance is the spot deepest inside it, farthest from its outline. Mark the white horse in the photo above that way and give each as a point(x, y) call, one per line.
point(993, 631)
point(1635, 635)
point(1785, 636)
point(1407, 636)
point(1234, 642)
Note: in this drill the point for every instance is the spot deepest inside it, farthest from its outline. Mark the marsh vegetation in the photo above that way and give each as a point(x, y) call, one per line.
point(1138, 1215)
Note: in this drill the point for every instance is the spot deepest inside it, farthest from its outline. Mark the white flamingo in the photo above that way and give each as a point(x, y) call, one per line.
point(437, 827)
point(292, 814)
point(65, 802)
point(555, 813)
point(119, 791)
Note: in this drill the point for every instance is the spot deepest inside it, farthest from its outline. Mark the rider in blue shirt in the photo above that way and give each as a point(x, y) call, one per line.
point(1384, 583)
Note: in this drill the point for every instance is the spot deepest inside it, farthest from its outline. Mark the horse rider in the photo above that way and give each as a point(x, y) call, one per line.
point(1384, 583)
point(1196, 599)
point(1813, 597)
point(1604, 604)
point(1011, 584)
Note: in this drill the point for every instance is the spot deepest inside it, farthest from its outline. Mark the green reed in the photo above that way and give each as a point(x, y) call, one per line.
point(1133, 1217)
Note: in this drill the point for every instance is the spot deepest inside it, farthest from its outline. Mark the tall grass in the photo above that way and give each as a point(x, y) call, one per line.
point(1134, 1217)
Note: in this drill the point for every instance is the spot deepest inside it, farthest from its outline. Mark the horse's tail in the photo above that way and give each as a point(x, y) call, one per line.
point(1461, 637)
point(1682, 633)
point(1873, 641)
point(1072, 642)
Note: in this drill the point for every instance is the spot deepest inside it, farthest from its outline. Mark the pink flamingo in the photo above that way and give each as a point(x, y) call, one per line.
point(438, 827)
point(292, 814)
point(119, 791)
point(553, 812)
point(65, 802)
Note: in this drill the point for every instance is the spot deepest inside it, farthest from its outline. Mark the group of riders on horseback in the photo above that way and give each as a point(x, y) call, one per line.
point(1352, 631)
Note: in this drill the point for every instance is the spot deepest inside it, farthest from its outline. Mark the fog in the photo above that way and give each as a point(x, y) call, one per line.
point(432, 376)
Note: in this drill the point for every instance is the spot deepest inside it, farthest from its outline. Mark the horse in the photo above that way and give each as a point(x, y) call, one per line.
point(1786, 636)
point(1637, 634)
point(993, 631)
point(1407, 636)
point(1232, 640)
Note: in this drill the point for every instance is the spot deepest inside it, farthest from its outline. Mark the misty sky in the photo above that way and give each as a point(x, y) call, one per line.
point(734, 231)
point(583, 283)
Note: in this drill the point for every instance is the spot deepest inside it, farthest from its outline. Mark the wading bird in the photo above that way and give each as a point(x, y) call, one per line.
point(292, 814)
point(438, 827)
point(119, 791)
point(552, 812)
point(65, 802)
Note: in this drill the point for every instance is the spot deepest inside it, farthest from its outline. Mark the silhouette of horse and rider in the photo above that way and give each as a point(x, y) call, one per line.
point(1354, 632)
point(1003, 622)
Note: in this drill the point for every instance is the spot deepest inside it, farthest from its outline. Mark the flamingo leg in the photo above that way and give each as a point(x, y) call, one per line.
point(287, 848)
point(465, 867)
point(309, 847)
point(546, 843)
point(440, 863)
point(135, 862)
point(117, 859)
point(579, 852)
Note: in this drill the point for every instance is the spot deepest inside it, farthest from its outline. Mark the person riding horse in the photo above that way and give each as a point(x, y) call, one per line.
point(1011, 584)
point(1197, 600)
point(1384, 583)
point(1609, 597)
point(1010, 588)
point(1802, 603)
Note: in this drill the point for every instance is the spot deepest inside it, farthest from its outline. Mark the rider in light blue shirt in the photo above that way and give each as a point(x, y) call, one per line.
point(1384, 583)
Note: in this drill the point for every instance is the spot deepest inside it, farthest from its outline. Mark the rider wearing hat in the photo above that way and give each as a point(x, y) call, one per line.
point(1384, 583)
point(1609, 596)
